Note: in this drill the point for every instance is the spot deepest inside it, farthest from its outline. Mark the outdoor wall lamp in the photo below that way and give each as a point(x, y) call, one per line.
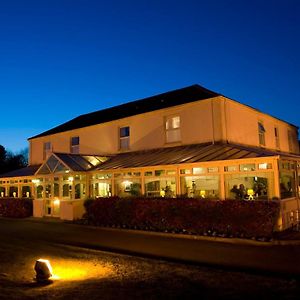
point(43, 270)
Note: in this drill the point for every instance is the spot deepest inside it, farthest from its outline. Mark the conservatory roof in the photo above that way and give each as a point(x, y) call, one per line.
point(185, 154)
point(63, 162)
point(27, 171)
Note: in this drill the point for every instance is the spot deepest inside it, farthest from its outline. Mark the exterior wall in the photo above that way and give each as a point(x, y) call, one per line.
point(241, 126)
point(71, 210)
point(215, 119)
point(146, 131)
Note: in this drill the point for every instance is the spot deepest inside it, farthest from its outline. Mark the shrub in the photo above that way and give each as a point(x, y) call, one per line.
point(196, 216)
point(16, 207)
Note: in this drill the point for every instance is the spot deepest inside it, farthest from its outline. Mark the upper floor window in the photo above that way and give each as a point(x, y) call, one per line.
point(47, 150)
point(124, 135)
point(276, 134)
point(261, 134)
point(74, 145)
point(173, 129)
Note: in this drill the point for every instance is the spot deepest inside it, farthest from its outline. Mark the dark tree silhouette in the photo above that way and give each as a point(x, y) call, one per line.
point(10, 161)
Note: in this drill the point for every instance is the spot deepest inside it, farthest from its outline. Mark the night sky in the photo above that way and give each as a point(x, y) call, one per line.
point(63, 58)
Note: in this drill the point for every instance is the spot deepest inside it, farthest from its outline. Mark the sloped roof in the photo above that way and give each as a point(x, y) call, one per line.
point(186, 154)
point(77, 162)
point(62, 162)
point(176, 97)
point(154, 157)
point(27, 171)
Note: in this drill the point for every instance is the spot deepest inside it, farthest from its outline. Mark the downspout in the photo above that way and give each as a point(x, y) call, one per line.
point(298, 196)
point(212, 121)
point(225, 120)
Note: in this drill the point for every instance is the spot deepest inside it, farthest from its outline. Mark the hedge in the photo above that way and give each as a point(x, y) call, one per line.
point(232, 218)
point(16, 207)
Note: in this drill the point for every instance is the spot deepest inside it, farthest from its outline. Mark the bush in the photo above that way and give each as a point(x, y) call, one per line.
point(16, 207)
point(233, 218)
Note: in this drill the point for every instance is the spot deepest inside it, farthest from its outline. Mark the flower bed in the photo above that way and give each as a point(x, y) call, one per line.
point(16, 207)
point(230, 218)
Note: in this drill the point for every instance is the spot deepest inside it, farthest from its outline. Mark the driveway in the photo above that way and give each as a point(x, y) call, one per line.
point(86, 273)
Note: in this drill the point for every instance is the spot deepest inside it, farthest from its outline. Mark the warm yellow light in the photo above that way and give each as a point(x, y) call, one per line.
point(202, 193)
point(263, 166)
point(127, 182)
point(56, 202)
point(250, 192)
point(73, 270)
point(36, 181)
point(71, 179)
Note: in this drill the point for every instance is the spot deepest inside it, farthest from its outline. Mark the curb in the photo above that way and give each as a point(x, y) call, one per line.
point(237, 241)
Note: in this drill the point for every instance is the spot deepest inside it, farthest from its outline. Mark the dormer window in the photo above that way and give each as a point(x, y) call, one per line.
point(261, 134)
point(124, 135)
point(172, 127)
point(74, 145)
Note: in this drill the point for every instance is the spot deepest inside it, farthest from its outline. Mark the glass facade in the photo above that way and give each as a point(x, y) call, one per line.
point(247, 179)
point(200, 186)
point(128, 187)
point(249, 186)
point(160, 187)
point(287, 185)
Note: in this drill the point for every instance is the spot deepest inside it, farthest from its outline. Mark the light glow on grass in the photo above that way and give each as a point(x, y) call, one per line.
point(74, 269)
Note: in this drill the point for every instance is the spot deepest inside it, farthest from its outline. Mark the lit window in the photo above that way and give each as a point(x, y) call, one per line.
point(185, 171)
point(261, 134)
point(173, 129)
point(46, 150)
point(171, 172)
point(74, 145)
point(231, 168)
point(213, 169)
point(276, 134)
point(247, 167)
point(124, 138)
point(198, 170)
point(265, 166)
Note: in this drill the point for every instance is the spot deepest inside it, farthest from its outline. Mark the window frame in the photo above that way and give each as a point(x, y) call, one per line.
point(124, 138)
point(261, 133)
point(74, 148)
point(172, 130)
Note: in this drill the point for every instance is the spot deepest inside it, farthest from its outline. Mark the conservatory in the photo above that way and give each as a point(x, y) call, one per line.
point(61, 184)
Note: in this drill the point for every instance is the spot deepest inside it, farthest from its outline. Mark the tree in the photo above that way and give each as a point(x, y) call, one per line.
point(2, 157)
point(10, 161)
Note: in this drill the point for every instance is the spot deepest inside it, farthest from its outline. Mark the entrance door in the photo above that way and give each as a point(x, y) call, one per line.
point(52, 208)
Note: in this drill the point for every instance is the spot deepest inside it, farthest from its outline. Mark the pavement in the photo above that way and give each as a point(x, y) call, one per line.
point(280, 255)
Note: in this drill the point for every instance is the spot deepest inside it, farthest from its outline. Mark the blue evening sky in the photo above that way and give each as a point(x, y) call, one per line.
point(63, 58)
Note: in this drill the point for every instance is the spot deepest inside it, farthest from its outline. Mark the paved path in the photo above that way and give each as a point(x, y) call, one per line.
point(250, 255)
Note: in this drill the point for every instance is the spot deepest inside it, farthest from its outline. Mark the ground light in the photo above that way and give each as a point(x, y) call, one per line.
point(43, 270)
point(69, 270)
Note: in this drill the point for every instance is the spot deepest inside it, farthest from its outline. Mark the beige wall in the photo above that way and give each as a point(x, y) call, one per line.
point(146, 131)
point(242, 127)
point(216, 119)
